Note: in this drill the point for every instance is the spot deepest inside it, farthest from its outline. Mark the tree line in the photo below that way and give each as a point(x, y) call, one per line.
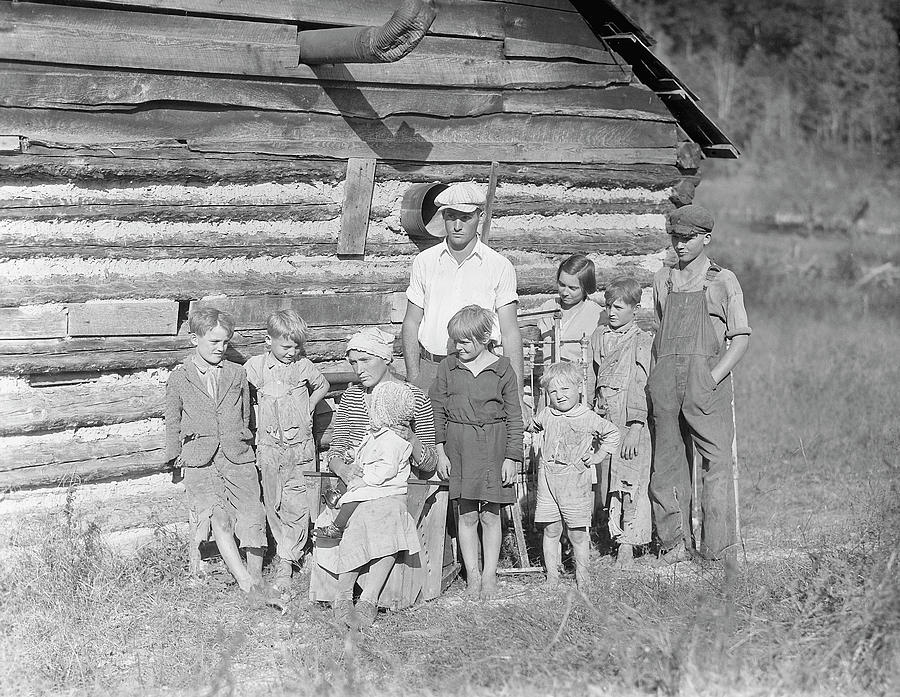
point(821, 72)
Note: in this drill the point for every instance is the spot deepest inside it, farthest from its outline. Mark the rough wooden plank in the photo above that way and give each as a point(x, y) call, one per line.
point(78, 88)
point(548, 25)
point(66, 35)
point(454, 17)
point(258, 9)
point(34, 322)
point(359, 185)
point(173, 26)
point(318, 310)
point(504, 137)
point(625, 101)
point(526, 48)
point(489, 202)
point(415, 69)
point(180, 165)
point(142, 318)
point(87, 36)
point(562, 5)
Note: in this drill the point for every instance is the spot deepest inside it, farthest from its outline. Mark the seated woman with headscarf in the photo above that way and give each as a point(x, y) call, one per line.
point(380, 529)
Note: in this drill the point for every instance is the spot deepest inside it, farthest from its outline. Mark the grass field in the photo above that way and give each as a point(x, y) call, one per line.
point(814, 608)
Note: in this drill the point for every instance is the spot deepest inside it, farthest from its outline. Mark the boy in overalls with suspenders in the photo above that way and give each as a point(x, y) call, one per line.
point(703, 334)
point(286, 387)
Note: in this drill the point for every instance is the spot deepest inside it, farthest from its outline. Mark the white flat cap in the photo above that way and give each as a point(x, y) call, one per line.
point(465, 197)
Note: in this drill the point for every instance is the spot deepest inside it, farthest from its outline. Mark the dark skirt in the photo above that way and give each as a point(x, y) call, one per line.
point(476, 455)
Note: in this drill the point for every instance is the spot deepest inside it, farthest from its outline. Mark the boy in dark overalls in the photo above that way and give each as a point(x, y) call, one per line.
point(703, 334)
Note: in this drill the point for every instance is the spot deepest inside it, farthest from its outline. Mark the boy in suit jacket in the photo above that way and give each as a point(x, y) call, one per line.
point(208, 435)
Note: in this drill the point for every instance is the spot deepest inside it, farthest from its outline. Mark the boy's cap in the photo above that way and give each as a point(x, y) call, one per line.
point(690, 219)
point(465, 197)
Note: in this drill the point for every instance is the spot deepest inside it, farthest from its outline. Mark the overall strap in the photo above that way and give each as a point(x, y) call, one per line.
point(711, 273)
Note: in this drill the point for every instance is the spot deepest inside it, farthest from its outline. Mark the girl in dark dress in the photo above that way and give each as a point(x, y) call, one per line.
point(478, 430)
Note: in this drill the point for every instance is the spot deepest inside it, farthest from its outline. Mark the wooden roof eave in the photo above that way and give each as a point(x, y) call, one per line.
point(675, 94)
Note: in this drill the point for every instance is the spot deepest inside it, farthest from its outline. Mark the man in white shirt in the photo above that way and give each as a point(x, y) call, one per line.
point(459, 271)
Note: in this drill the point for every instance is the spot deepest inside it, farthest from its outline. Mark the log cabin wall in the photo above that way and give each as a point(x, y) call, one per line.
point(159, 153)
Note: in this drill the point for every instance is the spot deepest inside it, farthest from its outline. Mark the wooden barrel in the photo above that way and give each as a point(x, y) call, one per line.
point(418, 213)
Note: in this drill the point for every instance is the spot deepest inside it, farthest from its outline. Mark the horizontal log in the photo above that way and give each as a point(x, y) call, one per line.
point(503, 137)
point(180, 165)
point(368, 276)
point(150, 211)
point(68, 406)
point(33, 322)
point(210, 244)
point(41, 86)
point(136, 353)
point(63, 455)
point(317, 310)
point(147, 317)
point(89, 470)
point(158, 211)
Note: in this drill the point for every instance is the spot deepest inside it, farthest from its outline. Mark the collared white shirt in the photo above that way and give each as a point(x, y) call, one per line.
point(210, 373)
point(442, 287)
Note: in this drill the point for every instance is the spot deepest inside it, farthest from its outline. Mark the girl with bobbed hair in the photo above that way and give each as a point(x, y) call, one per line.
point(575, 281)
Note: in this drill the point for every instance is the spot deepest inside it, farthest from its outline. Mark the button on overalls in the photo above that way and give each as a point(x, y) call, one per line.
point(690, 411)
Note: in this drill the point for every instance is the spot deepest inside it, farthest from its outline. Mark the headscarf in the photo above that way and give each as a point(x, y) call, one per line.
point(373, 341)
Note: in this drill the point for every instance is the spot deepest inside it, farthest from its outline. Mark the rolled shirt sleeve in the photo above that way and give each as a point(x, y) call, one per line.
point(312, 375)
point(415, 293)
point(607, 436)
point(736, 321)
point(505, 292)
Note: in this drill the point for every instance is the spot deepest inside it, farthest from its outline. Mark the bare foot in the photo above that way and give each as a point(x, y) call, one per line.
point(198, 568)
point(473, 586)
point(489, 587)
point(552, 582)
point(582, 581)
point(283, 575)
point(625, 557)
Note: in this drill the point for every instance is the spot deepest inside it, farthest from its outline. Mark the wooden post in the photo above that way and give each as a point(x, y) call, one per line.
point(489, 202)
point(735, 471)
point(358, 187)
point(585, 344)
